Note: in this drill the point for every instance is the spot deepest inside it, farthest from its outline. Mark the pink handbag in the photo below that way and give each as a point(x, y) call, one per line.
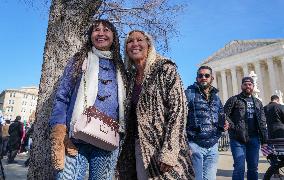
point(98, 129)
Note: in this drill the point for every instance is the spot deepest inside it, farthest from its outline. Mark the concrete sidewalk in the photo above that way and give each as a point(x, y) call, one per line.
point(225, 166)
point(18, 171)
point(15, 171)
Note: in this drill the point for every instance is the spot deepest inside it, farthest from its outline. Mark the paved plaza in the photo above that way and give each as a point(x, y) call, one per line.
point(18, 171)
point(15, 171)
point(225, 166)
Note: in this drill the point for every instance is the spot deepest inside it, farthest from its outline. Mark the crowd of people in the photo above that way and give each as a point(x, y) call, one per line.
point(15, 138)
point(165, 132)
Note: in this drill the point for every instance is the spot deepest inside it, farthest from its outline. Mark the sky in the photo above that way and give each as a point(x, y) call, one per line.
point(205, 27)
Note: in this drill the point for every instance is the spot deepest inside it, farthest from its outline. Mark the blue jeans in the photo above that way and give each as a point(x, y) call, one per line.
point(101, 164)
point(248, 152)
point(204, 161)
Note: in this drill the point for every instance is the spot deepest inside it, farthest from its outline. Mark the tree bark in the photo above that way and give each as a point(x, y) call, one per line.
point(68, 20)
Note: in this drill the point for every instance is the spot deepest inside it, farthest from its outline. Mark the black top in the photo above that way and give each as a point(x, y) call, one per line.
point(134, 100)
point(15, 131)
point(275, 120)
point(251, 117)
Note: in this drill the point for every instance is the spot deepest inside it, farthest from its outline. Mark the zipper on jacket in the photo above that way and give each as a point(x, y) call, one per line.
point(246, 120)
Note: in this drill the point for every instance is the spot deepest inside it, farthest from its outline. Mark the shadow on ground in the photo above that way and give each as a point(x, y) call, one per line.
point(228, 173)
point(16, 170)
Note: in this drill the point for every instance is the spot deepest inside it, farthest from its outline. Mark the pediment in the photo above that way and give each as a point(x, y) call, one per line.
point(239, 46)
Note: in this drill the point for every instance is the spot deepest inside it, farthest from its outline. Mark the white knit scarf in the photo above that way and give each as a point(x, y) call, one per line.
point(91, 68)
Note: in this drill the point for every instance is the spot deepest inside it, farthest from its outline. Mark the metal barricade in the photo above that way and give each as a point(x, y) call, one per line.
point(224, 142)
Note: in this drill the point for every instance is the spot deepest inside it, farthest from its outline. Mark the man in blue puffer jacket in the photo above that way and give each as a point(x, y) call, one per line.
point(205, 124)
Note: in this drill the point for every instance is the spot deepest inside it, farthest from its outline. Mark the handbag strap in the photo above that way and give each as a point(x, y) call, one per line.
point(85, 89)
point(95, 113)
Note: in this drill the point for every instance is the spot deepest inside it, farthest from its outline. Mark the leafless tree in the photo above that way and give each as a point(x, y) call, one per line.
point(68, 20)
point(158, 17)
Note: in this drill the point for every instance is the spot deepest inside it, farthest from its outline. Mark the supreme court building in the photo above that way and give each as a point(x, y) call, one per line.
point(265, 57)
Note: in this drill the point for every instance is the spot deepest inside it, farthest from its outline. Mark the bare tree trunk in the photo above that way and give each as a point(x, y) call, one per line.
point(68, 19)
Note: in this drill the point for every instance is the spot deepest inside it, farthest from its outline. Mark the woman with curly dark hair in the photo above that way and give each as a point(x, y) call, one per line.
point(94, 77)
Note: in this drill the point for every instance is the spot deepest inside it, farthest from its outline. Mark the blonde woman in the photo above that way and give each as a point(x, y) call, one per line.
point(155, 146)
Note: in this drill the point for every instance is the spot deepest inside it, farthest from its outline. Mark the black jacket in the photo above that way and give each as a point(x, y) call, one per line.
point(236, 113)
point(16, 132)
point(275, 120)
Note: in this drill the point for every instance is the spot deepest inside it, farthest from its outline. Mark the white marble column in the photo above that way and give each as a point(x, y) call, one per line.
point(214, 83)
point(224, 86)
point(260, 81)
point(245, 69)
point(272, 75)
point(282, 64)
point(281, 74)
point(234, 80)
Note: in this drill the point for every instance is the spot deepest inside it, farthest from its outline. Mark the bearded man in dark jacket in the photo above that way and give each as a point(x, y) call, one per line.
point(14, 142)
point(247, 130)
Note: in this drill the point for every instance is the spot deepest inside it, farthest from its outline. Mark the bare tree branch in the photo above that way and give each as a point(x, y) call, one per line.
point(158, 17)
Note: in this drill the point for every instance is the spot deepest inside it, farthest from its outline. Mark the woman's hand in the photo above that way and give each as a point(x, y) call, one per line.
point(226, 125)
point(60, 143)
point(164, 167)
point(58, 133)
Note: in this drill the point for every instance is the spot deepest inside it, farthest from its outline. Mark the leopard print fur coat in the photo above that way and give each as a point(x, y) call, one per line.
point(161, 115)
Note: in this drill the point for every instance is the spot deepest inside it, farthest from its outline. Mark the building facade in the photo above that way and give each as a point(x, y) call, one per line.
point(22, 102)
point(239, 58)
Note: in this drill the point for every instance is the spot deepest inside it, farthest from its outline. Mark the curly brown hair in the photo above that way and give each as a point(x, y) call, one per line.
point(80, 56)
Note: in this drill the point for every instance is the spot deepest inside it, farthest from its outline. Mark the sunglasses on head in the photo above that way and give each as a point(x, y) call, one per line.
point(203, 75)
